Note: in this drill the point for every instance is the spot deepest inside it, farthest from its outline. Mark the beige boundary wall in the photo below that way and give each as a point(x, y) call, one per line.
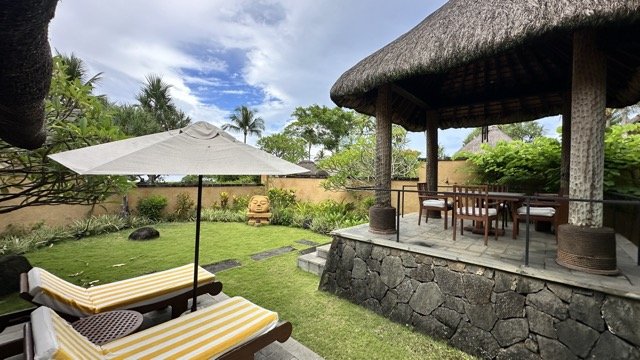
point(306, 189)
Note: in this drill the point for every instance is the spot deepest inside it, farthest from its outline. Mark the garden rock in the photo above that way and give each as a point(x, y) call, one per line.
point(392, 271)
point(541, 323)
point(481, 315)
point(472, 340)
point(426, 298)
point(578, 337)
point(11, 266)
point(586, 309)
point(509, 332)
point(144, 233)
point(623, 318)
point(450, 282)
point(509, 305)
point(554, 350)
point(477, 289)
point(517, 351)
point(549, 303)
point(609, 346)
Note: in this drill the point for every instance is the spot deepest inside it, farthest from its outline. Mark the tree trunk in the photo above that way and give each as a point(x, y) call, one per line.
point(587, 129)
point(383, 146)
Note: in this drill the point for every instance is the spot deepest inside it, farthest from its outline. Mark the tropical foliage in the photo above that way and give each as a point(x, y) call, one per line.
point(286, 147)
point(75, 118)
point(154, 98)
point(525, 131)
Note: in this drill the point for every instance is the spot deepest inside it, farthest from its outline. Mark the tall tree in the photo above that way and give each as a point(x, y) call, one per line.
point(155, 98)
point(284, 146)
point(134, 120)
point(75, 118)
point(75, 68)
point(321, 125)
point(244, 120)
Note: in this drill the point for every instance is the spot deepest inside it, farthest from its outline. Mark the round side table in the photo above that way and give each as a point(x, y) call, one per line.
point(108, 326)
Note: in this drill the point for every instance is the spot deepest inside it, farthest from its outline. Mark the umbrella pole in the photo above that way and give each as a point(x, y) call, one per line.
point(194, 306)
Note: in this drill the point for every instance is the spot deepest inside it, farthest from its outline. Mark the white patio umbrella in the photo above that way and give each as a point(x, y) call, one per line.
point(198, 149)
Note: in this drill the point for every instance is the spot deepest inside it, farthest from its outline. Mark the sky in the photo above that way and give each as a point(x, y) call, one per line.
point(217, 55)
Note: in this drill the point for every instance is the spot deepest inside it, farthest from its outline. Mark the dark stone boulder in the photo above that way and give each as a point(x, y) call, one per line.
point(426, 298)
point(528, 285)
point(541, 323)
point(477, 289)
point(482, 315)
point(577, 337)
point(517, 351)
point(509, 332)
point(450, 282)
point(554, 350)
point(144, 233)
point(509, 304)
point(392, 271)
point(474, 341)
point(610, 346)
point(548, 302)
point(586, 309)
point(431, 326)
point(623, 317)
point(11, 266)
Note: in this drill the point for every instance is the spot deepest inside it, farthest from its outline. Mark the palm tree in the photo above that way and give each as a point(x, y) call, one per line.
point(76, 69)
point(244, 120)
point(155, 98)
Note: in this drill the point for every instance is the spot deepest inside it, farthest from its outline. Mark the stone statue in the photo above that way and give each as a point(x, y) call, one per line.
point(258, 213)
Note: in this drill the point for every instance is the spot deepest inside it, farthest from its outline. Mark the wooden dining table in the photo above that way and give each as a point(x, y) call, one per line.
point(497, 196)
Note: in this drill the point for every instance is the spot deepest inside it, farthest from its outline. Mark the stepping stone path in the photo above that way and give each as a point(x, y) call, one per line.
point(307, 242)
point(222, 265)
point(271, 253)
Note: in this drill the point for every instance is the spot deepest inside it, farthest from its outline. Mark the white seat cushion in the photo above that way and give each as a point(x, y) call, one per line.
point(477, 211)
point(537, 211)
point(433, 203)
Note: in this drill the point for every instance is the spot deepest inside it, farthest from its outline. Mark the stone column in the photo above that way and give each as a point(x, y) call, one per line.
point(432, 156)
point(587, 129)
point(382, 215)
point(565, 160)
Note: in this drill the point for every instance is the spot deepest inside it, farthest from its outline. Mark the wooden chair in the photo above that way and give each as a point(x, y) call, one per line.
point(472, 203)
point(434, 203)
point(539, 210)
point(503, 207)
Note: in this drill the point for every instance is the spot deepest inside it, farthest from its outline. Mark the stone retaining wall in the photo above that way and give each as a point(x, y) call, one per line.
point(485, 312)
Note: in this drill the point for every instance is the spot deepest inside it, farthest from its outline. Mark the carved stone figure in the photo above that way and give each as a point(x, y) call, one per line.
point(258, 213)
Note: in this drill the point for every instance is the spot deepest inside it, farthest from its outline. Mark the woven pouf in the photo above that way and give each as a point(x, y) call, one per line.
point(592, 250)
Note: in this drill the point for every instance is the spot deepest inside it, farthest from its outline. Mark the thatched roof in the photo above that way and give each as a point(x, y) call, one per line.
point(495, 135)
point(475, 63)
point(25, 70)
point(313, 170)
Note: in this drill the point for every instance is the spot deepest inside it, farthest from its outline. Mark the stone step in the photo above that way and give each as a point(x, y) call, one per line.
point(323, 251)
point(311, 263)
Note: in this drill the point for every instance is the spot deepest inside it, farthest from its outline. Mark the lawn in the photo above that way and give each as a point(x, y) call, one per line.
point(332, 327)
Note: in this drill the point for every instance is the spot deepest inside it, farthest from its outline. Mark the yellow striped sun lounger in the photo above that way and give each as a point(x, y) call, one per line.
point(140, 293)
point(234, 328)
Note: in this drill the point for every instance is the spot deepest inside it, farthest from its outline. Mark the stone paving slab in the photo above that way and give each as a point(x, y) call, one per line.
point(271, 253)
point(222, 265)
point(307, 242)
point(506, 253)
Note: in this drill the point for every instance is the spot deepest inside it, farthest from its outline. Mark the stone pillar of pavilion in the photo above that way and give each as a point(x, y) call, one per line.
point(432, 156)
point(382, 216)
point(583, 243)
point(565, 160)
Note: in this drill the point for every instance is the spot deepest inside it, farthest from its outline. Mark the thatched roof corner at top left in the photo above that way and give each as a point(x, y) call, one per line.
point(25, 70)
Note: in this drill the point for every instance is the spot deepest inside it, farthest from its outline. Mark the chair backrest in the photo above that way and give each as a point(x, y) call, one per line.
point(498, 187)
point(471, 200)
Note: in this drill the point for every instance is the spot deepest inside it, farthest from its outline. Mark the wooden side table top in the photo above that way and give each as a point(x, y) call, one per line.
point(108, 326)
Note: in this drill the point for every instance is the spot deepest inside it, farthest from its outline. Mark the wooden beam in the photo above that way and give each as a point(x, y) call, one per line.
point(409, 96)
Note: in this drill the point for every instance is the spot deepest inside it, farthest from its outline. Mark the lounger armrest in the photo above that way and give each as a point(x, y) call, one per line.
point(28, 342)
point(281, 333)
point(24, 287)
point(14, 318)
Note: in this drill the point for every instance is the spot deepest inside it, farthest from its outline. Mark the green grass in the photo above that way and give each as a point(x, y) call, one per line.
point(332, 327)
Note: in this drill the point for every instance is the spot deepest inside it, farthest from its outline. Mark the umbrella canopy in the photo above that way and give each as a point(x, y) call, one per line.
point(198, 149)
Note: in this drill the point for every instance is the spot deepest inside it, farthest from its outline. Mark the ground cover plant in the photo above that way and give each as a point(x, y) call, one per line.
point(330, 326)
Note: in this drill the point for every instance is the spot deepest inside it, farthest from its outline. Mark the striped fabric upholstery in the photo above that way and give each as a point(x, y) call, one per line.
point(54, 338)
point(50, 290)
point(204, 334)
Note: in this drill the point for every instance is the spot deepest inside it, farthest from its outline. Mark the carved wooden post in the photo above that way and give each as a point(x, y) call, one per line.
point(432, 156)
point(583, 243)
point(382, 215)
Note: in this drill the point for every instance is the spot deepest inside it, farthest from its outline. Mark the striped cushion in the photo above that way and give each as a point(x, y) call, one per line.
point(48, 289)
point(206, 333)
point(537, 211)
point(54, 338)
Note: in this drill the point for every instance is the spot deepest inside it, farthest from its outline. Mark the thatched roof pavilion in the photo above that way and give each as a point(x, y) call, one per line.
point(25, 70)
point(494, 136)
point(476, 63)
point(490, 62)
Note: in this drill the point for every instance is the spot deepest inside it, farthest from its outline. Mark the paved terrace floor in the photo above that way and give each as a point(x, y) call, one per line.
point(506, 254)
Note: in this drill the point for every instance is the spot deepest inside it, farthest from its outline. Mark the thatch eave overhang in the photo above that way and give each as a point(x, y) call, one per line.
point(469, 60)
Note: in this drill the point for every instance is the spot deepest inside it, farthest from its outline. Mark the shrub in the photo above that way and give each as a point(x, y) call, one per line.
point(281, 198)
point(224, 199)
point(184, 207)
point(151, 207)
point(240, 202)
point(223, 215)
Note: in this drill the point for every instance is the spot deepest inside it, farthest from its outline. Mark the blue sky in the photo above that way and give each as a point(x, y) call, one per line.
point(217, 55)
